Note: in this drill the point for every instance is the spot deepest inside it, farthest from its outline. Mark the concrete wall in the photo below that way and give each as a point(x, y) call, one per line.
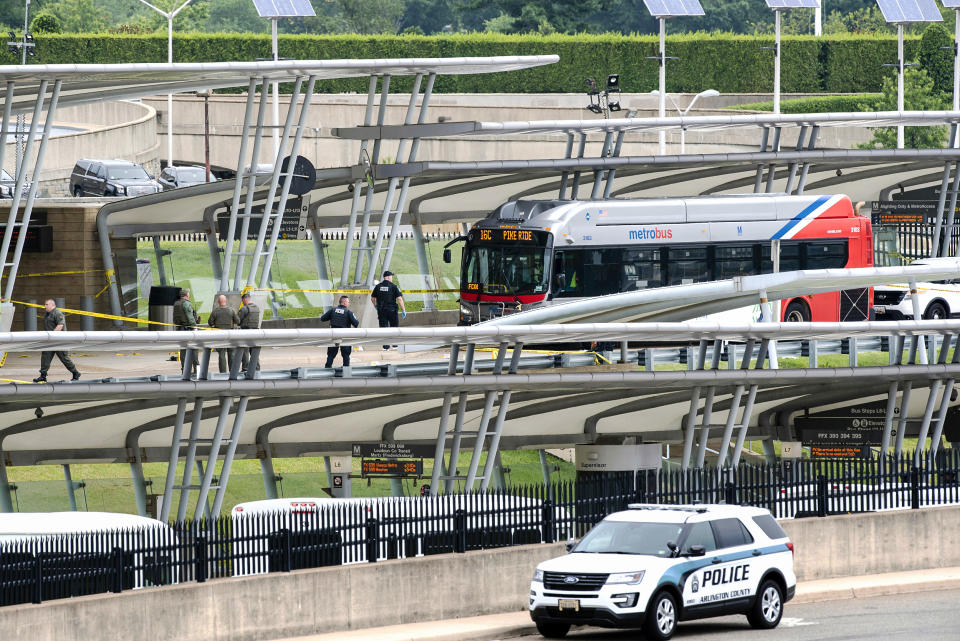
point(76, 247)
point(439, 587)
point(118, 129)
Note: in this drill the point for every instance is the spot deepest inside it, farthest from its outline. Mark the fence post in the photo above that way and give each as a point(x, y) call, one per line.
point(821, 495)
point(38, 578)
point(200, 554)
point(548, 521)
point(117, 570)
point(915, 488)
point(730, 494)
point(460, 531)
point(373, 540)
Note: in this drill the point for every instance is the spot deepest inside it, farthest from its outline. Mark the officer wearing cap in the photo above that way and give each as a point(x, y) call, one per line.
point(386, 296)
point(339, 317)
point(249, 316)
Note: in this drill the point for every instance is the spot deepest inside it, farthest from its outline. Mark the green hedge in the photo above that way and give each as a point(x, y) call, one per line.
point(726, 62)
point(820, 104)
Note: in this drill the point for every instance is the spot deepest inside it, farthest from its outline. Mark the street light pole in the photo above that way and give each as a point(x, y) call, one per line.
point(706, 93)
point(169, 15)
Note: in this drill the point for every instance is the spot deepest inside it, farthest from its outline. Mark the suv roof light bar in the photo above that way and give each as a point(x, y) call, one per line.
point(658, 506)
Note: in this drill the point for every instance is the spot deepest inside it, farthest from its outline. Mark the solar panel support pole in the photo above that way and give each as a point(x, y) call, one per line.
point(355, 201)
point(818, 21)
point(900, 82)
point(776, 63)
point(662, 111)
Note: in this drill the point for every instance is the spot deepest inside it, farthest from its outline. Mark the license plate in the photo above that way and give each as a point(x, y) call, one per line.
point(569, 604)
point(880, 309)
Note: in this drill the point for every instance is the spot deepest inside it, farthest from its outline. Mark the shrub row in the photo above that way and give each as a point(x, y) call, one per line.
point(820, 104)
point(726, 62)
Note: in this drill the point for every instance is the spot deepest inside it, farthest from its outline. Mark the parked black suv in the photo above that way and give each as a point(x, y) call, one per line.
point(111, 178)
point(179, 176)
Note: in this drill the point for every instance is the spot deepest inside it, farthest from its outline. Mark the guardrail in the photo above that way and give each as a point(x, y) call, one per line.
point(333, 532)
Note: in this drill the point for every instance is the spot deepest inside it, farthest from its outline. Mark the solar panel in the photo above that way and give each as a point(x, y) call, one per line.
point(795, 4)
point(906, 11)
point(951, 4)
point(673, 8)
point(284, 8)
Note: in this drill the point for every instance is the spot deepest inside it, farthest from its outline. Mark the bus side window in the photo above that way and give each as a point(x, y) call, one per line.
point(826, 254)
point(571, 267)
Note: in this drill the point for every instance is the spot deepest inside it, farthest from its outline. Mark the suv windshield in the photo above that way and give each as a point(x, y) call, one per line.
point(134, 172)
point(624, 537)
point(191, 174)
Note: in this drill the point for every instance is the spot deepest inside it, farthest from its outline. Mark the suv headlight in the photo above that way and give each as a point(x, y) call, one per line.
point(631, 578)
point(538, 575)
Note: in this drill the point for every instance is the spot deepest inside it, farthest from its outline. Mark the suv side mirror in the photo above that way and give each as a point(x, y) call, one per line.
point(696, 550)
point(570, 545)
point(447, 256)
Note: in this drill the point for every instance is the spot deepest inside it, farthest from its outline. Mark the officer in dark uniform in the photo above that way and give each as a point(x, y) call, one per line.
point(185, 318)
point(386, 296)
point(54, 321)
point(223, 317)
point(340, 316)
point(249, 316)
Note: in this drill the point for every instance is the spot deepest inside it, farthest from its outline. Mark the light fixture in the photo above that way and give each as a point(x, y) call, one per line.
point(613, 82)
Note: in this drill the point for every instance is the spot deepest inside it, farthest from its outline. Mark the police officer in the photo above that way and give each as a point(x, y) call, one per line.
point(386, 296)
point(249, 316)
point(340, 316)
point(185, 318)
point(54, 321)
point(222, 317)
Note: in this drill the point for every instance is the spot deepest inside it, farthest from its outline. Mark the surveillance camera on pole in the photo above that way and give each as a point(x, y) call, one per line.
point(600, 102)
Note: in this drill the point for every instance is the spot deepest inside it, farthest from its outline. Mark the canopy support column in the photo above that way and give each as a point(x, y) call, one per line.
point(357, 184)
point(481, 438)
point(442, 430)
point(493, 452)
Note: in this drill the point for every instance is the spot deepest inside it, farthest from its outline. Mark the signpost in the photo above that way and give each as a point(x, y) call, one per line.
point(844, 432)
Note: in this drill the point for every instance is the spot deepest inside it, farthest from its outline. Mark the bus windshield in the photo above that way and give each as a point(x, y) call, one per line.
point(505, 270)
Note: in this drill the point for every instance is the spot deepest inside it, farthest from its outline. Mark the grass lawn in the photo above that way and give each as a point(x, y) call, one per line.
point(295, 268)
point(109, 488)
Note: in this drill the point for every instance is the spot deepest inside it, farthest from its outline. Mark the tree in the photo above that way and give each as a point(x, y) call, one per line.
point(918, 95)
point(371, 16)
point(80, 16)
point(236, 16)
point(866, 20)
point(432, 16)
point(45, 22)
point(936, 57)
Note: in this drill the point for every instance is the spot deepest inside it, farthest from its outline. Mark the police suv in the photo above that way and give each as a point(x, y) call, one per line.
point(654, 565)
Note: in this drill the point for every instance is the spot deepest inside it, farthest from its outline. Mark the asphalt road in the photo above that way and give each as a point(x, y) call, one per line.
point(906, 617)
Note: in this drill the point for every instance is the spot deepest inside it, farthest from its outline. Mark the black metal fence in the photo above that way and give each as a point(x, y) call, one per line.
point(331, 532)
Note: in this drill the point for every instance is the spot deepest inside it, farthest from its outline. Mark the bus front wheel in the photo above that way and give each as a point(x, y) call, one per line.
point(797, 312)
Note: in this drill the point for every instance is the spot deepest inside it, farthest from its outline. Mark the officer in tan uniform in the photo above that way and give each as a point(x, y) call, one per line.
point(222, 317)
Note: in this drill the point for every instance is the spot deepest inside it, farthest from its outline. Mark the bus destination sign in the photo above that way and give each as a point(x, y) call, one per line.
point(506, 236)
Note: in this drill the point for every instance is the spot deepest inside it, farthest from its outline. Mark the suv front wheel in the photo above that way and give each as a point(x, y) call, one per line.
point(661, 620)
point(768, 608)
point(552, 630)
point(78, 192)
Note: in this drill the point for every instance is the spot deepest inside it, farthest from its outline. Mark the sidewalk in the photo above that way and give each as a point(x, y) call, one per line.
point(512, 624)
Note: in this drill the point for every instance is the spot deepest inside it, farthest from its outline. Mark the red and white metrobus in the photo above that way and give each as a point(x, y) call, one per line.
point(530, 253)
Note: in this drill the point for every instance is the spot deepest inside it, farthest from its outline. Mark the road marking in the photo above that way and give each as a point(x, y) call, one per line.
point(795, 622)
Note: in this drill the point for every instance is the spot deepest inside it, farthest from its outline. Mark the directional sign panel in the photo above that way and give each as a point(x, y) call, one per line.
point(673, 8)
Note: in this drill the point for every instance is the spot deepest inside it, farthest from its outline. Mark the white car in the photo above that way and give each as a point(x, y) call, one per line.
point(652, 566)
point(939, 299)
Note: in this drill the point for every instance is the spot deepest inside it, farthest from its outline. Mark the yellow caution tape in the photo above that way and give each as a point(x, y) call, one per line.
point(81, 271)
point(15, 380)
point(80, 312)
point(597, 356)
point(347, 291)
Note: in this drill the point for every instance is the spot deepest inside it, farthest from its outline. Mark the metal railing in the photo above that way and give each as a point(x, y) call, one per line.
point(320, 533)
